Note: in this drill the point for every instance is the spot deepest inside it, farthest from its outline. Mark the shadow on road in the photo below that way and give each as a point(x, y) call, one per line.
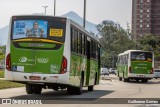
point(62, 94)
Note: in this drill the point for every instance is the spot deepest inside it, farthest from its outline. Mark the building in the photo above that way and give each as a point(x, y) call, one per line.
point(145, 17)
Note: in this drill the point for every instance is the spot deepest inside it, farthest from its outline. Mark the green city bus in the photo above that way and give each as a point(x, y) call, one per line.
point(135, 64)
point(51, 52)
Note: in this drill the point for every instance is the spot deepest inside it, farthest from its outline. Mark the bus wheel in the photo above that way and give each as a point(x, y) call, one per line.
point(137, 80)
point(95, 81)
point(145, 80)
point(125, 79)
point(120, 78)
point(90, 88)
point(70, 90)
point(29, 89)
point(79, 90)
point(37, 89)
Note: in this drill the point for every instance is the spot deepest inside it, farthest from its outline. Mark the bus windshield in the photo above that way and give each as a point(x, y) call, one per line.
point(38, 27)
point(141, 56)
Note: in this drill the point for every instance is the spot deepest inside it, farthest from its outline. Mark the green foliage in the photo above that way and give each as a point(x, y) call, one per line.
point(150, 42)
point(2, 52)
point(1, 73)
point(114, 40)
point(6, 84)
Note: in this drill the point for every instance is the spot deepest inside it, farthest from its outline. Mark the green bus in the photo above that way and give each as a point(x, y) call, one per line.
point(51, 52)
point(135, 64)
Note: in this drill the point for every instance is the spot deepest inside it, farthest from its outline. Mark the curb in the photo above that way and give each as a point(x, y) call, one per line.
point(1, 78)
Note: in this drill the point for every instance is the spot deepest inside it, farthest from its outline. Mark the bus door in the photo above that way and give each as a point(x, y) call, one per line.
point(88, 61)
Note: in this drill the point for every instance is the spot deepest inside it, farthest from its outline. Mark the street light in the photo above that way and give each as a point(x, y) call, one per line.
point(84, 16)
point(45, 9)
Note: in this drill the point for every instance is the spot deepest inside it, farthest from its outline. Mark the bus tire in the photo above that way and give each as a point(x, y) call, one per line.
point(95, 81)
point(29, 89)
point(79, 90)
point(90, 88)
point(37, 89)
point(70, 90)
point(125, 79)
point(145, 80)
point(120, 78)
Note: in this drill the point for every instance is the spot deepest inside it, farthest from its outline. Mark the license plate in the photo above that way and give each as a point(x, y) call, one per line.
point(34, 77)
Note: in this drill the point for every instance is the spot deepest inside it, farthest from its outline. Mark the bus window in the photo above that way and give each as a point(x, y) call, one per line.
point(72, 40)
point(143, 56)
point(37, 28)
point(76, 41)
point(80, 43)
point(29, 28)
point(83, 45)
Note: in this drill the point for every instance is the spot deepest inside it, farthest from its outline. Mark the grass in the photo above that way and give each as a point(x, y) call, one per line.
point(1, 73)
point(6, 84)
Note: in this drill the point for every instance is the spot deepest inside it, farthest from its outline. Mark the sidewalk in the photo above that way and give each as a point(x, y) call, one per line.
point(1, 78)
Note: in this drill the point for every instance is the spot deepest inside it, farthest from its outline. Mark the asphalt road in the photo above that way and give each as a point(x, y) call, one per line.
point(109, 87)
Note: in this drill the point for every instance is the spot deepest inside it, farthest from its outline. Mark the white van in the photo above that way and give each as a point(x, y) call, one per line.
point(156, 73)
point(104, 71)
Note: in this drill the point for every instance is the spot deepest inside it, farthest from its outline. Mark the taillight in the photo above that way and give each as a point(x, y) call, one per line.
point(152, 70)
point(130, 70)
point(8, 62)
point(64, 65)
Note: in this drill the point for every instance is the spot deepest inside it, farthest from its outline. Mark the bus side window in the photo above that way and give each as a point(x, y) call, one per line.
point(80, 43)
point(91, 47)
point(96, 51)
point(99, 59)
point(83, 44)
point(126, 58)
point(76, 41)
point(72, 39)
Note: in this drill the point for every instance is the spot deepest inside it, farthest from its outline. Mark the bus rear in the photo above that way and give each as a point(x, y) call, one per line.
point(141, 65)
point(35, 50)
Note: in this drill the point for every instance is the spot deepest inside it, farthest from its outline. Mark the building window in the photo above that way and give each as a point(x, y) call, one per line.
point(141, 1)
point(148, 0)
point(141, 21)
point(141, 16)
point(147, 25)
point(147, 10)
point(140, 26)
point(141, 11)
point(147, 15)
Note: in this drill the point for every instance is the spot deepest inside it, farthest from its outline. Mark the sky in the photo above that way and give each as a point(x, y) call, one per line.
point(96, 10)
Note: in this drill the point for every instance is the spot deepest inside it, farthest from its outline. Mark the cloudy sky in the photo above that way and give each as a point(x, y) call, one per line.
point(97, 10)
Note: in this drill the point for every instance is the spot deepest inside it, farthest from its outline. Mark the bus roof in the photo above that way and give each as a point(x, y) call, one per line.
point(128, 51)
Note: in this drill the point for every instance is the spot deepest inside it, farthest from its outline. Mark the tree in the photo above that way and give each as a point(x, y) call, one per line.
point(2, 52)
point(150, 42)
point(114, 40)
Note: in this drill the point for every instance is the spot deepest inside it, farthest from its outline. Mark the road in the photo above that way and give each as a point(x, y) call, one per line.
point(109, 87)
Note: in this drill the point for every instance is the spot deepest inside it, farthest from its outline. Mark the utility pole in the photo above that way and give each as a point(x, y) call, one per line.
point(84, 15)
point(54, 7)
point(45, 9)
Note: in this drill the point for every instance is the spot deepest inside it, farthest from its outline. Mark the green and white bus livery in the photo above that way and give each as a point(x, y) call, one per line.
point(135, 64)
point(51, 52)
